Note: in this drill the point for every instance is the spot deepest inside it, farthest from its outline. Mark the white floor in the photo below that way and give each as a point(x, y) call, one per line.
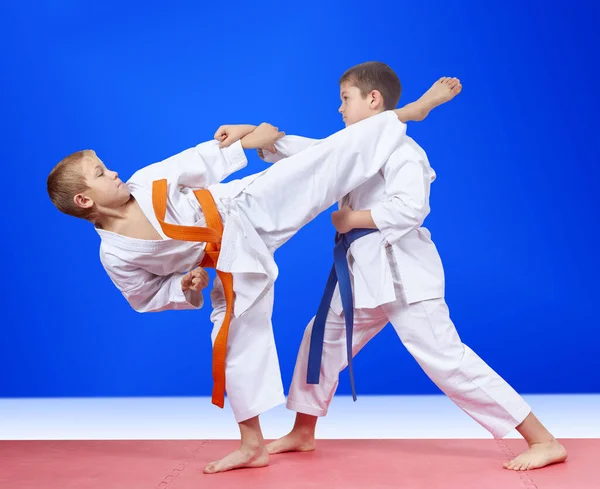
point(567, 416)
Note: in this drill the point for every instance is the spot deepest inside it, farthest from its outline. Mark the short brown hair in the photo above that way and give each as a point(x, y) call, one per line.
point(375, 75)
point(66, 180)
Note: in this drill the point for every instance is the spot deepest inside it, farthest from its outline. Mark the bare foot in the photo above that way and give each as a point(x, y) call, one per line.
point(442, 91)
point(295, 441)
point(242, 458)
point(539, 455)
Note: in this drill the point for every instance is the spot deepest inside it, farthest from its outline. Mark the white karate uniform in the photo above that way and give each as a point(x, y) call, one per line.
point(259, 213)
point(397, 276)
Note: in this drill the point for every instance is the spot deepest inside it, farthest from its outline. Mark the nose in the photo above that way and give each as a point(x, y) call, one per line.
point(341, 109)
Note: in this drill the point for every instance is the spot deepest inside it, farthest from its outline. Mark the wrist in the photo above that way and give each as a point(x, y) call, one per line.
point(353, 220)
point(248, 128)
point(362, 219)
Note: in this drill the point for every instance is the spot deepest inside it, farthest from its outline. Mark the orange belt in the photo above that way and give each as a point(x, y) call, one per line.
point(211, 235)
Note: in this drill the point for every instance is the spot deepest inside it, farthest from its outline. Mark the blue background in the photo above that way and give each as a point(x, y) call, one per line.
point(514, 209)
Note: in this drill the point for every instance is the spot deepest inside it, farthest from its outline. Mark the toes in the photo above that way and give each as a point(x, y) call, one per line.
point(515, 464)
point(210, 468)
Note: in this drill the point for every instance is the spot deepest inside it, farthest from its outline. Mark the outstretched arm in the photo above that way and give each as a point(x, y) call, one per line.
point(442, 91)
point(199, 167)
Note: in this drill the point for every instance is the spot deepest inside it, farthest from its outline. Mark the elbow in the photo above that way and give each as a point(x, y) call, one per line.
point(137, 303)
point(139, 308)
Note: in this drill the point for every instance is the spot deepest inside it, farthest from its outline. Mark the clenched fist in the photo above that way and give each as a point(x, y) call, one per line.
point(195, 280)
point(230, 133)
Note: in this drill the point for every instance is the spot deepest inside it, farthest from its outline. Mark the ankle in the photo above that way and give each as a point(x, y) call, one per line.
point(252, 446)
point(305, 425)
point(542, 441)
point(422, 108)
point(303, 431)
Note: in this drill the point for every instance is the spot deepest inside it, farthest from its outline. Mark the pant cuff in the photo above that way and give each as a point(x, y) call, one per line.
point(305, 409)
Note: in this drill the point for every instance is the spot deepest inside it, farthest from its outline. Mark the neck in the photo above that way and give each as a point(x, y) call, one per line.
point(110, 219)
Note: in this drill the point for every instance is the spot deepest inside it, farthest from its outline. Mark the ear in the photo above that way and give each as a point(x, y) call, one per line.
point(82, 201)
point(375, 100)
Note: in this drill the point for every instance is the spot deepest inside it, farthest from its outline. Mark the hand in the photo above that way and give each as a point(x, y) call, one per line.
point(230, 133)
point(262, 156)
point(195, 280)
point(343, 220)
point(263, 137)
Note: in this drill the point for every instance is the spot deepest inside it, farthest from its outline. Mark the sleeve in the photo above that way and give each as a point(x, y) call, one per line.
point(288, 146)
point(146, 292)
point(198, 167)
point(155, 294)
point(407, 184)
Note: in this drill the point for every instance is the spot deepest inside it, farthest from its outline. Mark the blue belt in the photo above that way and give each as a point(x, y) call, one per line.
point(339, 273)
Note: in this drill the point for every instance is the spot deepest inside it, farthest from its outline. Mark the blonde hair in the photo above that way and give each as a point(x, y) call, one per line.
point(66, 180)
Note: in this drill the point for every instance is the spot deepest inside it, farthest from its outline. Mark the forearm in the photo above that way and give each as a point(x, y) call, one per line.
point(397, 217)
point(248, 141)
point(251, 140)
point(245, 130)
point(198, 167)
point(362, 220)
point(287, 146)
point(163, 294)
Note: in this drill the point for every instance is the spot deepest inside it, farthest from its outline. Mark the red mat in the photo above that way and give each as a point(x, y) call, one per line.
point(348, 464)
